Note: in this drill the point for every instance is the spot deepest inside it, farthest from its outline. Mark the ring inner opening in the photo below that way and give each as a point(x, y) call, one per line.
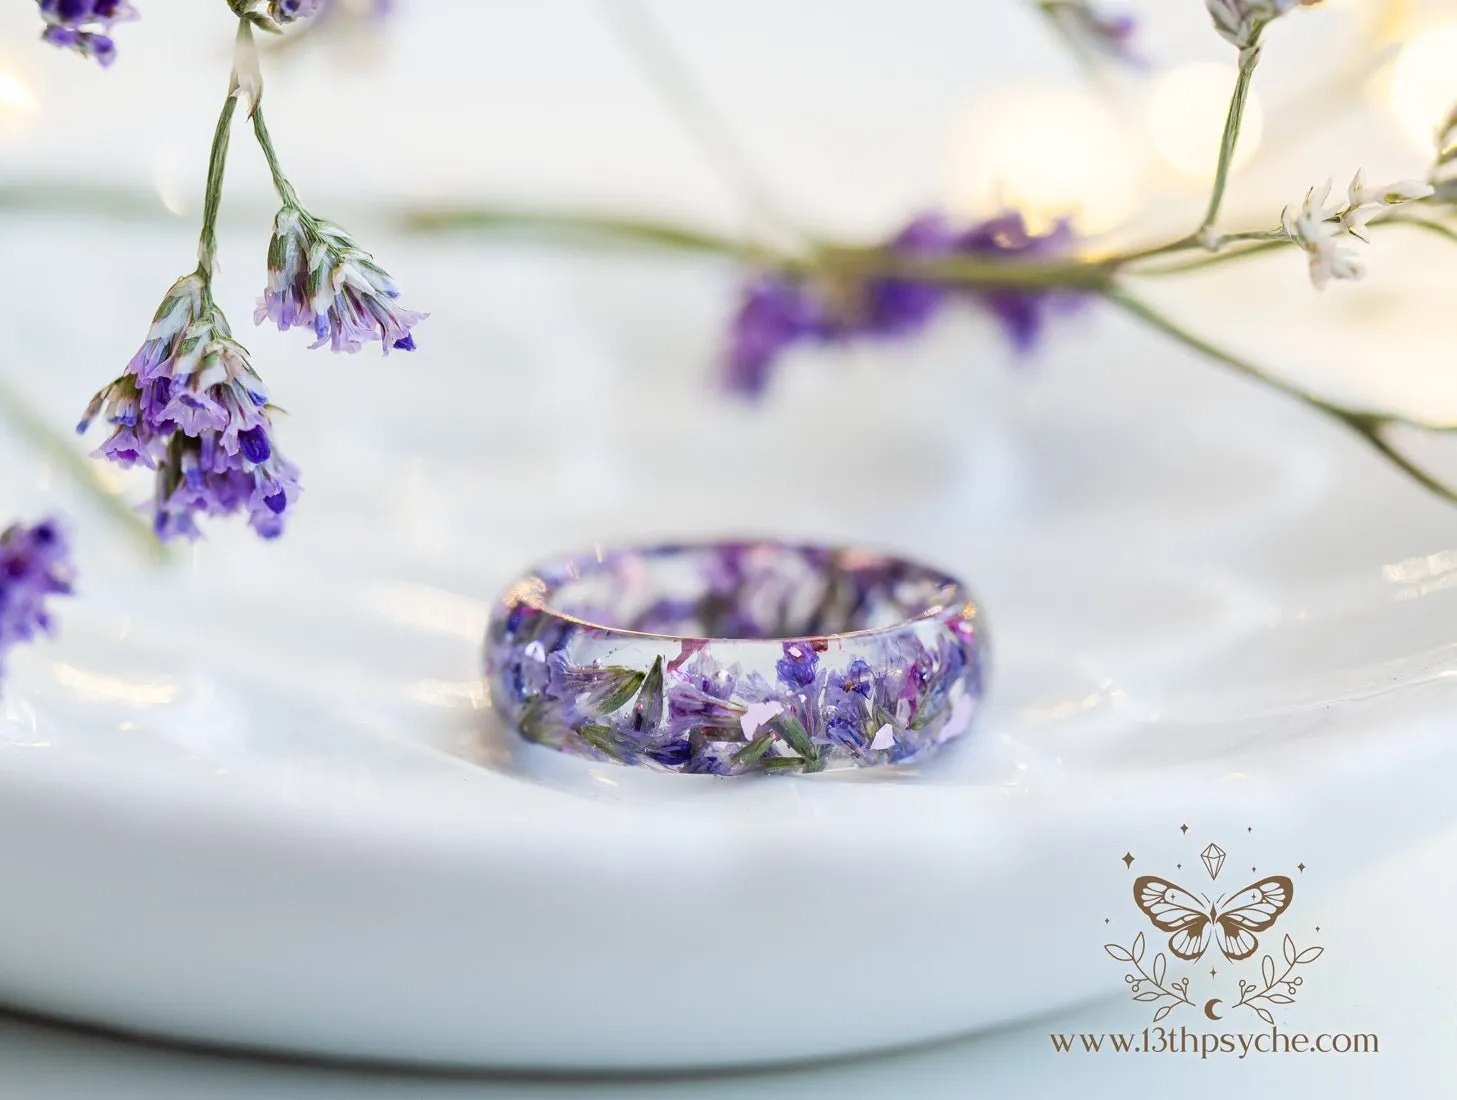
point(749, 591)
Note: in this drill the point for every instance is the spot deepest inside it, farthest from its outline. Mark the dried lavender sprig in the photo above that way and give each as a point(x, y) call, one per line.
point(1083, 270)
point(189, 404)
point(320, 279)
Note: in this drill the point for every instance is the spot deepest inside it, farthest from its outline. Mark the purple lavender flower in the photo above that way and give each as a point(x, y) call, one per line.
point(85, 25)
point(701, 694)
point(1021, 313)
point(778, 310)
point(284, 12)
point(35, 564)
point(361, 9)
point(190, 406)
point(319, 279)
point(1090, 28)
point(774, 312)
point(799, 665)
point(847, 704)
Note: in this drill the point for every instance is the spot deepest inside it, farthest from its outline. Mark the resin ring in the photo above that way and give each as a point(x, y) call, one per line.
point(737, 657)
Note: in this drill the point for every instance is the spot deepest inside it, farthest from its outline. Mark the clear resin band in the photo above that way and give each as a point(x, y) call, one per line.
point(738, 657)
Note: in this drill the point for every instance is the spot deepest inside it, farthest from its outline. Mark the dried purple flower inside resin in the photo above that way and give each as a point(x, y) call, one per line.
point(319, 279)
point(190, 406)
point(35, 564)
point(85, 25)
point(778, 310)
point(798, 666)
point(578, 665)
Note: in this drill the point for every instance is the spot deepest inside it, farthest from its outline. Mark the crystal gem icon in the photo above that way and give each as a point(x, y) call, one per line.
point(1213, 857)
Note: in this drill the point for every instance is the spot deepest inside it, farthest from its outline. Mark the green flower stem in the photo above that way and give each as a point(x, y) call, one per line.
point(35, 429)
point(1424, 224)
point(577, 228)
point(1249, 57)
point(861, 263)
point(1052, 11)
point(247, 52)
point(265, 142)
point(1214, 259)
point(1370, 426)
point(207, 244)
point(825, 260)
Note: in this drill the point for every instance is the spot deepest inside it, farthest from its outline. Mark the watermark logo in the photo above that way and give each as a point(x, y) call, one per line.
point(1223, 928)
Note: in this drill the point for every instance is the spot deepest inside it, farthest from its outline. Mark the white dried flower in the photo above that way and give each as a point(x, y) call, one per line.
point(1322, 231)
point(1321, 238)
point(1367, 202)
point(1240, 21)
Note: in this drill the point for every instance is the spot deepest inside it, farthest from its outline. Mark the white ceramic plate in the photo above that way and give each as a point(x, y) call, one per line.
point(257, 799)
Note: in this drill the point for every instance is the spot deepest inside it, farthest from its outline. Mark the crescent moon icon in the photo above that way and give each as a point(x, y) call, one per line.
point(1209, 1008)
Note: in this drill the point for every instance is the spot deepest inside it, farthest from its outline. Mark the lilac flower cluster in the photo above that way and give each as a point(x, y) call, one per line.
point(778, 310)
point(35, 564)
point(1089, 27)
point(319, 279)
point(729, 706)
point(284, 12)
point(365, 9)
point(274, 15)
point(190, 406)
point(85, 25)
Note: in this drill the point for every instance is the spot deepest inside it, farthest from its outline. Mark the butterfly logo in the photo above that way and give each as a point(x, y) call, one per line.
point(1231, 922)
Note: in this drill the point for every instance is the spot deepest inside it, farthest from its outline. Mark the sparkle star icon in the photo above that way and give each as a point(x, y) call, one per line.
point(1128, 859)
point(1178, 867)
point(1300, 867)
point(1211, 971)
point(1105, 920)
point(1183, 828)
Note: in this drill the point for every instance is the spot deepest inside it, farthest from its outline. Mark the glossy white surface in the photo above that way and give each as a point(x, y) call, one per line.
point(261, 803)
point(1374, 981)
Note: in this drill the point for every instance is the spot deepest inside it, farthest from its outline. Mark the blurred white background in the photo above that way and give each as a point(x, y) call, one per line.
point(855, 112)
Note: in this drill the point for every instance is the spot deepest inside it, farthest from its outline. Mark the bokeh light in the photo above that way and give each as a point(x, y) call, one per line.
point(19, 107)
point(1051, 152)
point(1423, 84)
point(1186, 112)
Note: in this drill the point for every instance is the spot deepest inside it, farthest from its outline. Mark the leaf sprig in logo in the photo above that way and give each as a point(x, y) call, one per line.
point(1231, 923)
